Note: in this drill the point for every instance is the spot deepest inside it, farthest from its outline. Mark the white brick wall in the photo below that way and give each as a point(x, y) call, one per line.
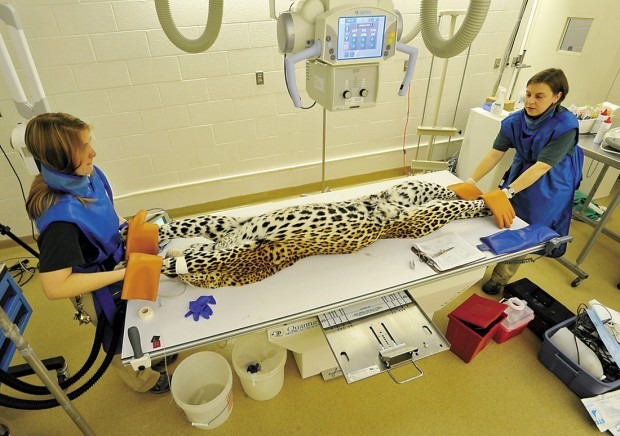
point(134, 98)
point(153, 70)
point(85, 18)
point(100, 75)
point(173, 129)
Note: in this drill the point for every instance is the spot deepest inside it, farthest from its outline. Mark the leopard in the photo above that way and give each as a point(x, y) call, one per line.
point(245, 250)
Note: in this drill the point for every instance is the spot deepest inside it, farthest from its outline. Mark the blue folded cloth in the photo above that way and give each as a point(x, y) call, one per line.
point(510, 241)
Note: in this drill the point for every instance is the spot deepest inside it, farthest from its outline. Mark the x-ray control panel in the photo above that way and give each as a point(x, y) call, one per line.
point(350, 37)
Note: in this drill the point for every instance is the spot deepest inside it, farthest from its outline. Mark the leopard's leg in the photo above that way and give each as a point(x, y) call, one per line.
point(241, 265)
point(422, 220)
point(195, 259)
point(210, 226)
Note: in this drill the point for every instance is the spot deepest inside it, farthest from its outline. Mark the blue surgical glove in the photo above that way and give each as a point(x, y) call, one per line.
point(201, 307)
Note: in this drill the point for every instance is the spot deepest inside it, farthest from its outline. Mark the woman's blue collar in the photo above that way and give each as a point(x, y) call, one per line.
point(71, 184)
point(533, 123)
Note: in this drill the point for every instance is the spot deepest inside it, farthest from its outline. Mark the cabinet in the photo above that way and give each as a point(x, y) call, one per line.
point(482, 128)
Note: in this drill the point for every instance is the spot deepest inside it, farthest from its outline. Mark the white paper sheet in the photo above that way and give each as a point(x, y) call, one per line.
point(604, 410)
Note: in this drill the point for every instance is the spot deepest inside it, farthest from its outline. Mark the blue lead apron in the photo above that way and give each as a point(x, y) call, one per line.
point(97, 220)
point(549, 200)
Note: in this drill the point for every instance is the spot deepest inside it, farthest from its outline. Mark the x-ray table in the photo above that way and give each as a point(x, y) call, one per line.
point(311, 286)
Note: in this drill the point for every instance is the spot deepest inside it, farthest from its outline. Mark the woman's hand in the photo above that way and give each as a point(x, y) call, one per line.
point(498, 202)
point(142, 237)
point(466, 191)
point(142, 277)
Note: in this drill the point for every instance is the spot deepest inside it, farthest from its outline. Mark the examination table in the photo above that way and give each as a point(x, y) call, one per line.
point(313, 285)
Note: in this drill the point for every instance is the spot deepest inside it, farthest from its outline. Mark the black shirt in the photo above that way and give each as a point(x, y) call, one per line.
point(63, 245)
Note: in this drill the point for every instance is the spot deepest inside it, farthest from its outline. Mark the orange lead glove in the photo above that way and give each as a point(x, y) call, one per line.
point(499, 204)
point(142, 237)
point(465, 191)
point(142, 277)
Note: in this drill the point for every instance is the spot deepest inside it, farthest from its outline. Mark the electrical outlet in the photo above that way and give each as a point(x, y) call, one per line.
point(405, 65)
point(497, 63)
point(260, 78)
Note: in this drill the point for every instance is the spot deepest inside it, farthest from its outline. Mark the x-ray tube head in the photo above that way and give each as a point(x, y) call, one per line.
point(286, 33)
point(342, 45)
point(295, 28)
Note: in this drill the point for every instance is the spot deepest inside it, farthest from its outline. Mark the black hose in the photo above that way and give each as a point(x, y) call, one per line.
point(16, 403)
point(19, 385)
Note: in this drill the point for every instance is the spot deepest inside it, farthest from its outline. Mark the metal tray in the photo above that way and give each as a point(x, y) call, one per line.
point(375, 336)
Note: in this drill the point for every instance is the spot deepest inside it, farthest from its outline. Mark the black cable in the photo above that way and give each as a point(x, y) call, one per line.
point(21, 187)
point(20, 271)
point(585, 330)
point(31, 389)
point(520, 261)
point(22, 404)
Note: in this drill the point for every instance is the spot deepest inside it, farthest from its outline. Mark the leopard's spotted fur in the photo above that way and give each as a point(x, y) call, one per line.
point(247, 250)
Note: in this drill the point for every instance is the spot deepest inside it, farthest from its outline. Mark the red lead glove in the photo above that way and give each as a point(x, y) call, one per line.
point(465, 191)
point(142, 277)
point(499, 204)
point(142, 237)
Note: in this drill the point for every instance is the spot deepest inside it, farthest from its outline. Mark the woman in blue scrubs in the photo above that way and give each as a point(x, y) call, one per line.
point(547, 166)
point(79, 240)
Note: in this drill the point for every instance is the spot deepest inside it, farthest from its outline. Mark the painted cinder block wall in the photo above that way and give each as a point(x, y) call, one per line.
point(174, 129)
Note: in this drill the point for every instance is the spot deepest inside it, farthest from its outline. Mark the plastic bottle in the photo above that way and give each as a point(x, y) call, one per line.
point(498, 104)
point(518, 313)
point(602, 116)
point(604, 128)
point(520, 103)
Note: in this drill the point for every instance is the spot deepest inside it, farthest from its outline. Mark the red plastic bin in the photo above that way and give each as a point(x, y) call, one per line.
point(472, 325)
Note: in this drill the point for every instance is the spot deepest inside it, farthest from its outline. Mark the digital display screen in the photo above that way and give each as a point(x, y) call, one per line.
point(360, 37)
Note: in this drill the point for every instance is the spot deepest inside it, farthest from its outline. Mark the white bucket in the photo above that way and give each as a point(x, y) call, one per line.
point(267, 360)
point(202, 388)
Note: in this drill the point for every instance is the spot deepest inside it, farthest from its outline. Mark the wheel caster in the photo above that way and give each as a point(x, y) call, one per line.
point(576, 282)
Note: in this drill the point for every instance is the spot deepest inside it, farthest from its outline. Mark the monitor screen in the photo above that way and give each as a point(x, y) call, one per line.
point(360, 37)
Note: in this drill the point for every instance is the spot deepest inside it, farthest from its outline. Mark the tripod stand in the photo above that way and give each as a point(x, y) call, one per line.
point(6, 230)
